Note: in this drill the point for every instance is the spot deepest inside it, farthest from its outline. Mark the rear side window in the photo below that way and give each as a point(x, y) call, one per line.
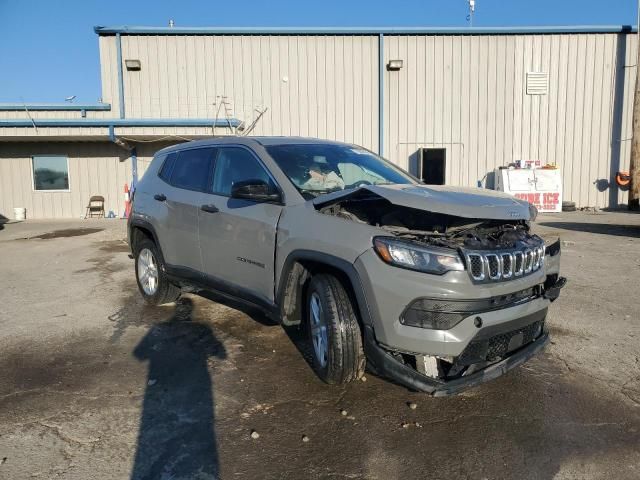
point(190, 170)
point(167, 167)
point(235, 164)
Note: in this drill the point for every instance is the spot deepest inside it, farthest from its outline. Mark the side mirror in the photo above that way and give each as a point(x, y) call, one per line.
point(255, 190)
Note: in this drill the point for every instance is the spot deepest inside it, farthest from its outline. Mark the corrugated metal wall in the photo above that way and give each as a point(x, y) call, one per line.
point(468, 94)
point(94, 169)
point(321, 86)
point(460, 92)
point(463, 93)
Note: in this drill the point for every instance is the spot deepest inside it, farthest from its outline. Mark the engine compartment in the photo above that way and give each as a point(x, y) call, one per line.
point(429, 227)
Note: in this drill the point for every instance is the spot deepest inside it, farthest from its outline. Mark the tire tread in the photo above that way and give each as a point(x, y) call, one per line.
point(346, 361)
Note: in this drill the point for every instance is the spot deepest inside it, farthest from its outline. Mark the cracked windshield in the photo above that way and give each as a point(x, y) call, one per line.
point(319, 169)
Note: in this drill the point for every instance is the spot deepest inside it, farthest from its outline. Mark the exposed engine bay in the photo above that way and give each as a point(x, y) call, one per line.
point(508, 250)
point(428, 227)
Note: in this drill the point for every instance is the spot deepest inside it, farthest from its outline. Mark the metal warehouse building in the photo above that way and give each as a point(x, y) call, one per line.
point(471, 99)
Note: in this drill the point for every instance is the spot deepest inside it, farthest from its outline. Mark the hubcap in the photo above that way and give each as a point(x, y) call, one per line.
point(318, 330)
point(147, 271)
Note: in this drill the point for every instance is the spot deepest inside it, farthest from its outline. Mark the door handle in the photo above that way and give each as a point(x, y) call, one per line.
point(160, 197)
point(209, 208)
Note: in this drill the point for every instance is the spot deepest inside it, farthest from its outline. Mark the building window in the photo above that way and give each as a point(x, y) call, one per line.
point(50, 172)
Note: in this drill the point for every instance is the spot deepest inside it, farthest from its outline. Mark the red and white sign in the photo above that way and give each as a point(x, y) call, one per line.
point(544, 202)
point(538, 186)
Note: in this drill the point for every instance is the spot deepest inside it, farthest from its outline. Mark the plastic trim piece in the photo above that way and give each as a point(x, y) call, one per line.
point(385, 365)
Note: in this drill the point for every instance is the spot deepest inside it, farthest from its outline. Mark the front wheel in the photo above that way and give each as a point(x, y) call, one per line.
point(152, 280)
point(334, 332)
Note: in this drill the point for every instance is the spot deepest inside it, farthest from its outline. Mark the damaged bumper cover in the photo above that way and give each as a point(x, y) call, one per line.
point(388, 366)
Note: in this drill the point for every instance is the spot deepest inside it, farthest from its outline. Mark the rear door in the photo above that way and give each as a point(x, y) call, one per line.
point(237, 236)
point(186, 177)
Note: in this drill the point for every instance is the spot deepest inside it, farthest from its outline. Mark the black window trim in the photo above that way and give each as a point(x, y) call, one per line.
point(219, 147)
point(212, 163)
point(163, 165)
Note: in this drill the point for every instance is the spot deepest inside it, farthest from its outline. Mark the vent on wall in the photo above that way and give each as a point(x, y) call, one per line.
point(537, 83)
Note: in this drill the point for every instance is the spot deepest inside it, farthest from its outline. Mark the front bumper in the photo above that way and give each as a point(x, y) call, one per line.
point(481, 347)
point(388, 291)
point(385, 365)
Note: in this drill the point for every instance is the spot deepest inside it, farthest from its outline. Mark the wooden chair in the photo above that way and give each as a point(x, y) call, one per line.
point(95, 208)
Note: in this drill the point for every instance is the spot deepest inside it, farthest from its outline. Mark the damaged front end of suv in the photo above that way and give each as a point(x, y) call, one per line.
point(456, 283)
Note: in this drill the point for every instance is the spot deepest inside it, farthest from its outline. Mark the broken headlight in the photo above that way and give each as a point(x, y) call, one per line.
point(416, 257)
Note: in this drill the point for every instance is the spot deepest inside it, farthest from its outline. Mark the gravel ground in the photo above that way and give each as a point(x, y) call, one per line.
point(94, 384)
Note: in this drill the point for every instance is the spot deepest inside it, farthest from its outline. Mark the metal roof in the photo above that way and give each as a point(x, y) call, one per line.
point(141, 30)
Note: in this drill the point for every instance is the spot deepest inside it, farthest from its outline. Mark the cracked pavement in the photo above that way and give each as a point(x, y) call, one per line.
point(95, 384)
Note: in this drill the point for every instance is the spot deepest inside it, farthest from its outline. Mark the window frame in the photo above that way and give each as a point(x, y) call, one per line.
point(260, 162)
point(212, 162)
point(33, 174)
point(164, 158)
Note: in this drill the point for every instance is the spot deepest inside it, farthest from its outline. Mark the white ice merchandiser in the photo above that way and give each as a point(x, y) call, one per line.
point(540, 186)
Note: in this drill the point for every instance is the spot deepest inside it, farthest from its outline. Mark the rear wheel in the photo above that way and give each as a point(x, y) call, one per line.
point(334, 332)
point(152, 280)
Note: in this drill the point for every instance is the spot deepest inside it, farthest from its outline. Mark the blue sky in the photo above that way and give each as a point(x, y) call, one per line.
point(48, 49)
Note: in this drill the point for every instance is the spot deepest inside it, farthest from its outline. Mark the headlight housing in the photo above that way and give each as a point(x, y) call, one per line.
point(412, 256)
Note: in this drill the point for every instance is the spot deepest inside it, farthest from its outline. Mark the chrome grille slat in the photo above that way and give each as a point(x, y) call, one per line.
point(476, 266)
point(494, 266)
point(528, 261)
point(507, 265)
point(519, 263)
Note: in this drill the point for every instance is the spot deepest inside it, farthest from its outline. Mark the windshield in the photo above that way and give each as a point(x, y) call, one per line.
point(316, 169)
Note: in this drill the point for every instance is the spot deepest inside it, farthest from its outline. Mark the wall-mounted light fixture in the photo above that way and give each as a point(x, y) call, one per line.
point(394, 65)
point(133, 65)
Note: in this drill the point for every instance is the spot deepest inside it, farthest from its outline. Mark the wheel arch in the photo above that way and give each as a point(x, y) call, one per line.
point(297, 270)
point(139, 230)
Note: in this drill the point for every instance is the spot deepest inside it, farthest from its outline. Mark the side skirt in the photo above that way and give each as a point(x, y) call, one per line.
point(193, 280)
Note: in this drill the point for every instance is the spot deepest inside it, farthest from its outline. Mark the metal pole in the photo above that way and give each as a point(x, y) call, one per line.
point(634, 169)
point(381, 95)
point(120, 74)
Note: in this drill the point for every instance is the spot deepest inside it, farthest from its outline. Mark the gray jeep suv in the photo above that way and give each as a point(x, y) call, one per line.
point(436, 288)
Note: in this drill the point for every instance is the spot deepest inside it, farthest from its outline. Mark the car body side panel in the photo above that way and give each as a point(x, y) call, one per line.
point(175, 219)
point(301, 227)
point(149, 211)
point(238, 243)
point(181, 227)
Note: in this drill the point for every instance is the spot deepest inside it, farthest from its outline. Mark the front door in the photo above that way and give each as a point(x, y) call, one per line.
point(237, 236)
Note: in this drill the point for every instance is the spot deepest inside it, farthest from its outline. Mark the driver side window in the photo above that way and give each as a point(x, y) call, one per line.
point(235, 164)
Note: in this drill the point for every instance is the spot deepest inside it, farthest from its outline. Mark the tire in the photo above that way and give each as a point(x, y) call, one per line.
point(343, 359)
point(162, 291)
point(568, 206)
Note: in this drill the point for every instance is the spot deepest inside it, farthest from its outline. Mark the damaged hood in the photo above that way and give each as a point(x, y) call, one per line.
point(477, 203)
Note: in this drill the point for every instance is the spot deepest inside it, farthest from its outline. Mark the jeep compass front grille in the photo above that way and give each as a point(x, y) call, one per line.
point(490, 266)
